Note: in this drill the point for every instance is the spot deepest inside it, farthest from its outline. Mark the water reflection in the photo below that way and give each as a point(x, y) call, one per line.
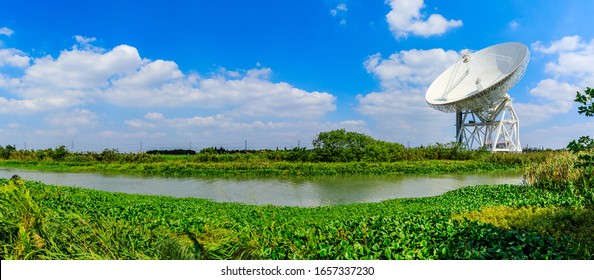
point(303, 191)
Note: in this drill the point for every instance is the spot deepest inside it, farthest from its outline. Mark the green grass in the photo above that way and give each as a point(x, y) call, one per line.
point(183, 167)
point(41, 221)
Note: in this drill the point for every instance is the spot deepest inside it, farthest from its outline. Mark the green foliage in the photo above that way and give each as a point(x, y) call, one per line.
point(584, 147)
point(6, 152)
point(555, 173)
point(584, 99)
point(558, 222)
point(342, 146)
point(335, 152)
point(74, 223)
point(564, 170)
point(257, 167)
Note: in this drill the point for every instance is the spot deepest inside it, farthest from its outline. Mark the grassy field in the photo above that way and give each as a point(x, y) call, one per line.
point(181, 167)
point(551, 218)
point(40, 221)
point(294, 162)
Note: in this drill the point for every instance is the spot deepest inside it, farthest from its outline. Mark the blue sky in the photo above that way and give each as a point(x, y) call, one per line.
point(195, 74)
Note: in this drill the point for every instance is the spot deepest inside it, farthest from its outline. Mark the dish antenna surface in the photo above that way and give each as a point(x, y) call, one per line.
point(475, 88)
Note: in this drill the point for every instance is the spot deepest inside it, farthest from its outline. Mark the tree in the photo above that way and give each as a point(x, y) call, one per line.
point(343, 146)
point(584, 147)
point(7, 151)
point(584, 99)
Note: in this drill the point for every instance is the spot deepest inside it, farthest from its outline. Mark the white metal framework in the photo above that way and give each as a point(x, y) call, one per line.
point(475, 88)
point(496, 129)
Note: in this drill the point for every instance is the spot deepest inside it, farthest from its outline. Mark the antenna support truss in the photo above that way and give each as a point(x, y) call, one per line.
point(495, 129)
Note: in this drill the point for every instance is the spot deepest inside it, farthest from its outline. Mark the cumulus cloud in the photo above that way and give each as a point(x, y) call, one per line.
point(574, 65)
point(76, 117)
point(239, 104)
point(248, 93)
point(121, 77)
point(153, 116)
point(565, 44)
point(405, 18)
point(400, 107)
point(550, 97)
point(13, 57)
point(410, 68)
point(6, 31)
point(570, 70)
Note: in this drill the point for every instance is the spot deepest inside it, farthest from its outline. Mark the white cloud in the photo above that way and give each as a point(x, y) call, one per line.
point(136, 123)
point(76, 117)
point(248, 93)
point(571, 71)
point(6, 31)
point(84, 44)
point(217, 120)
point(121, 77)
point(576, 65)
point(74, 78)
point(259, 133)
point(70, 131)
point(340, 12)
point(154, 116)
point(81, 70)
point(410, 68)
point(565, 44)
point(551, 98)
point(353, 123)
point(14, 106)
point(400, 108)
point(405, 18)
point(339, 8)
point(556, 137)
point(237, 105)
point(13, 57)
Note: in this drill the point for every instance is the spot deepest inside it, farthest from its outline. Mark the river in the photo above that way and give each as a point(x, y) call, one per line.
point(289, 191)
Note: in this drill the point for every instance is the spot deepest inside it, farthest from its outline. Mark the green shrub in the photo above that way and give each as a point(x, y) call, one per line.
point(557, 172)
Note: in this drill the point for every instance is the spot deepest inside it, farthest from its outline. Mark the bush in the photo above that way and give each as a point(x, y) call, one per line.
point(344, 146)
point(555, 173)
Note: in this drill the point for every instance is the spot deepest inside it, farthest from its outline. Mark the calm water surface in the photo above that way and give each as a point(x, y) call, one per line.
point(307, 192)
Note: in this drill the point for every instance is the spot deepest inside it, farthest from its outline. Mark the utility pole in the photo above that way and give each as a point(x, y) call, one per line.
point(141, 146)
point(245, 148)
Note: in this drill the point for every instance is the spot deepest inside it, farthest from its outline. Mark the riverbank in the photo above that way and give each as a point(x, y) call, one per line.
point(183, 167)
point(51, 222)
point(304, 191)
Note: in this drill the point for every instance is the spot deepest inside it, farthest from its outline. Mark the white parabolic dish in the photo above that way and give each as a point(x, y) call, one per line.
point(479, 80)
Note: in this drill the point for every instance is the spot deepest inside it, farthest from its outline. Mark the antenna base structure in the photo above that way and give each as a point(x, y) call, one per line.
point(476, 89)
point(494, 129)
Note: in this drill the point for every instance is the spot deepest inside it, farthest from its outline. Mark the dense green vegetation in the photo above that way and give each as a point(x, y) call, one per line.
point(335, 153)
point(49, 222)
point(257, 168)
point(551, 217)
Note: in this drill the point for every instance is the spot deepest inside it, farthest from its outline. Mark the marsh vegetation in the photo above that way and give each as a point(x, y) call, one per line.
point(549, 217)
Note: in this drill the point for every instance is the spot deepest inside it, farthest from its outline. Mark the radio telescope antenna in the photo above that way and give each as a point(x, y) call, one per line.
point(475, 88)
